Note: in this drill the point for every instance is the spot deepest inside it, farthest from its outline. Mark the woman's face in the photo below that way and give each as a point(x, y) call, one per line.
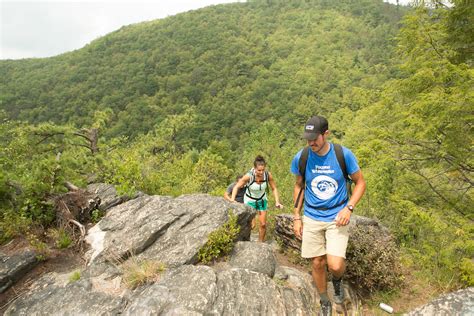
point(259, 170)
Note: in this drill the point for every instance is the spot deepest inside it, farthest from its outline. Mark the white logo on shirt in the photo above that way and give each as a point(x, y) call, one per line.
point(324, 187)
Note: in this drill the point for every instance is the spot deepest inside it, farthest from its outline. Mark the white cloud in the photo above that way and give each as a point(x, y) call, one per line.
point(48, 28)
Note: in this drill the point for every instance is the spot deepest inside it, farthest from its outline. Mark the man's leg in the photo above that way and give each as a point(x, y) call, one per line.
point(320, 279)
point(337, 239)
point(319, 273)
point(336, 265)
point(314, 247)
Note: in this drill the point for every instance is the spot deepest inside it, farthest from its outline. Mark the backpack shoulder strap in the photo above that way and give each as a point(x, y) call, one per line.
point(303, 161)
point(302, 170)
point(251, 173)
point(341, 160)
point(266, 178)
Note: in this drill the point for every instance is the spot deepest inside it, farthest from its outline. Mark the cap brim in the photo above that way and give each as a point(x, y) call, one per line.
point(310, 135)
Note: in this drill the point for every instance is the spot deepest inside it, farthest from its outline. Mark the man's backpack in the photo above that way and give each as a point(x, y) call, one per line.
point(340, 160)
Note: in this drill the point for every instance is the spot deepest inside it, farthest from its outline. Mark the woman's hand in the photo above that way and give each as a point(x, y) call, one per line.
point(278, 205)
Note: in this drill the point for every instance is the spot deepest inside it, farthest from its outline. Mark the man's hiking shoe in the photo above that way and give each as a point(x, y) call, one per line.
point(338, 291)
point(326, 308)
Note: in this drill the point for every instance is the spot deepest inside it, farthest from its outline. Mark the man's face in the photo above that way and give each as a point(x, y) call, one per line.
point(318, 143)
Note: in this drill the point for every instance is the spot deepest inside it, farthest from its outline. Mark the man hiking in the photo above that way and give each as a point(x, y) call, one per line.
point(327, 206)
point(240, 193)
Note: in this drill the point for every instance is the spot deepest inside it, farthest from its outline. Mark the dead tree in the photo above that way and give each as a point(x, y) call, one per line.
point(75, 207)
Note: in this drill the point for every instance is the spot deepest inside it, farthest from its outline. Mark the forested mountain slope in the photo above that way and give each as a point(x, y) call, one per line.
point(232, 65)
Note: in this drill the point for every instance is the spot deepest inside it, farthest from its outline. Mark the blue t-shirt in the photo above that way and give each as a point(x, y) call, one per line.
point(325, 183)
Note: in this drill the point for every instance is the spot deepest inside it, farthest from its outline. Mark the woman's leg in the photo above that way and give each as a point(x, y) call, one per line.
point(262, 218)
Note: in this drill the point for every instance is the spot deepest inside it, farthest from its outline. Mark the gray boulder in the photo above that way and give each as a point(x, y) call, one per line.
point(170, 230)
point(186, 288)
point(456, 303)
point(201, 290)
point(254, 256)
point(53, 294)
point(13, 268)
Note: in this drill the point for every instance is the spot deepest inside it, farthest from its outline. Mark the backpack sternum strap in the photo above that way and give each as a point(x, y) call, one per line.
point(252, 180)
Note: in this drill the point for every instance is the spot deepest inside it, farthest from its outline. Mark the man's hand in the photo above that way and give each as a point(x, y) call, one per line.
point(278, 205)
point(298, 228)
point(343, 217)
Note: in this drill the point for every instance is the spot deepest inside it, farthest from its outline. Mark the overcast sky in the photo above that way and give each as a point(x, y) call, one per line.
point(38, 28)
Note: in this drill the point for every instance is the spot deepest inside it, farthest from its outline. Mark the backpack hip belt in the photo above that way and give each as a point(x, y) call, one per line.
point(327, 208)
point(254, 198)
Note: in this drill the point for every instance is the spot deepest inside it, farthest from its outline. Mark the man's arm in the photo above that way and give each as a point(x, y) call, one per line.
point(226, 193)
point(297, 217)
point(344, 215)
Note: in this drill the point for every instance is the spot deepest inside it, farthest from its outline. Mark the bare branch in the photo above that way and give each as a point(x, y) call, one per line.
point(438, 193)
point(70, 186)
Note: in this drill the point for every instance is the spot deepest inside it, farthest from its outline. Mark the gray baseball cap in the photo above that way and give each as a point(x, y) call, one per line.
point(314, 127)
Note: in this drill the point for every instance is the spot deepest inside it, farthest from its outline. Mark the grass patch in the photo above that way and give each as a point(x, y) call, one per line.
point(75, 276)
point(62, 239)
point(41, 248)
point(137, 272)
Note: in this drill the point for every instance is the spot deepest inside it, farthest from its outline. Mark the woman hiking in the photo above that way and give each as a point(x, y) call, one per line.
point(256, 182)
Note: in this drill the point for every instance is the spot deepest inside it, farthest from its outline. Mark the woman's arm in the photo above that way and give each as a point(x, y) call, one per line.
point(240, 184)
point(272, 183)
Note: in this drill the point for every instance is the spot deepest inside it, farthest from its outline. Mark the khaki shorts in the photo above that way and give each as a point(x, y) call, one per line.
point(321, 238)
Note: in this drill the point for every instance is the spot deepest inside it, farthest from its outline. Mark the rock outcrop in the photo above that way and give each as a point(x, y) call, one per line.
point(456, 303)
point(12, 268)
point(171, 231)
point(108, 195)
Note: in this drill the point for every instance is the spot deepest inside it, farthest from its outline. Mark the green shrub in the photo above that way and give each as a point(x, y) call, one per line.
point(373, 260)
point(12, 224)
point(467, 271)
point(97, 215)
point(220, 241)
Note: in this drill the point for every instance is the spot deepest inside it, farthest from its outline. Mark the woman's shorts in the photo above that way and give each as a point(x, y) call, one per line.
point(321, 238)
point(260, 205)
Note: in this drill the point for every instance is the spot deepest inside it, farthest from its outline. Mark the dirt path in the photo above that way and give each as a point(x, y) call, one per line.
point(60, 261)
